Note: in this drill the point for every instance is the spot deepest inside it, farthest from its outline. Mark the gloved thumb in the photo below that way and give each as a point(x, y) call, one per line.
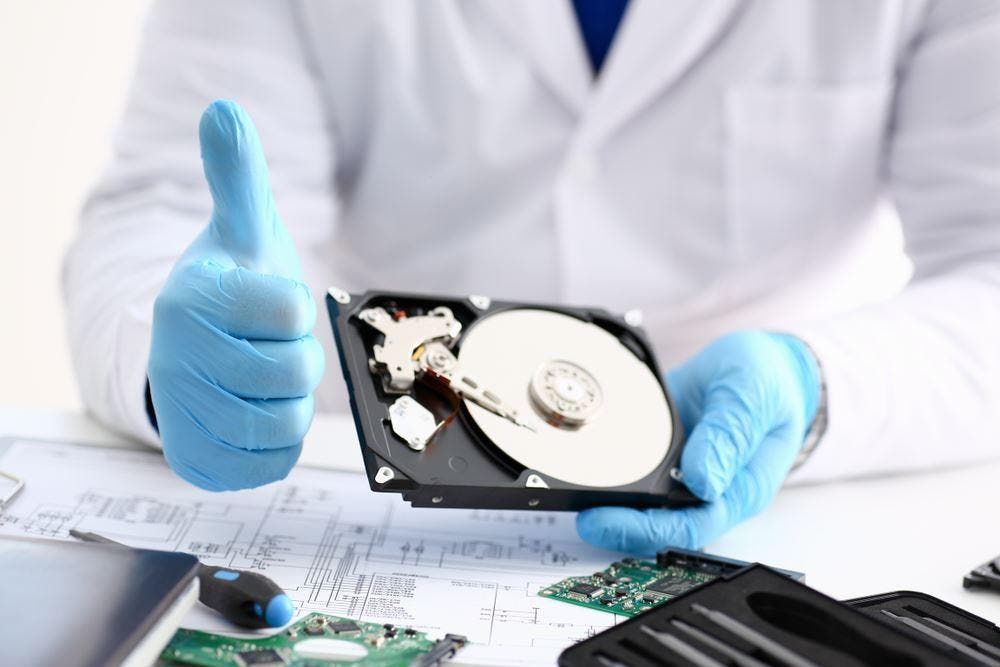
point(244, 221)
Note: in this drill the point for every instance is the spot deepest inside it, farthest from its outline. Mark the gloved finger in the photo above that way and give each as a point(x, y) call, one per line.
point(247, 304)
point(244, 219)
point(247, 424)
point(215, 466)
point(728, 434)
point(756, 485)
point(686, 393)
point(266, 369)
point(266, 423)
point(648, 531)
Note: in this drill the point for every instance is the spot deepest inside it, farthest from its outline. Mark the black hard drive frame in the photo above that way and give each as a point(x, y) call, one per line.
point(460, 467)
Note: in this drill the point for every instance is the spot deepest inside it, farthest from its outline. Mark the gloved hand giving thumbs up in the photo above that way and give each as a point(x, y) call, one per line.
point(232, 364)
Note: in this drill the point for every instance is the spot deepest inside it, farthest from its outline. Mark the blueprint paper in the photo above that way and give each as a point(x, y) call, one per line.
point(330, 542)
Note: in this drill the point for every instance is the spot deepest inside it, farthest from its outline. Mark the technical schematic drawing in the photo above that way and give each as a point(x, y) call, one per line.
point(331, 543)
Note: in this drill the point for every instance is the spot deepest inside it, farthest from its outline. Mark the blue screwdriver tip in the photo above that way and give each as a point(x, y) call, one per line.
point(279, 611)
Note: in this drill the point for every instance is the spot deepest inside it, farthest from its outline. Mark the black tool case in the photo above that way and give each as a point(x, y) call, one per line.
point(758, 618)
point(929, 617)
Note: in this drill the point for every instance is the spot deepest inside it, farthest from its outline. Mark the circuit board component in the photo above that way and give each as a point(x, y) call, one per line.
point(630, 586)
point(343, 642)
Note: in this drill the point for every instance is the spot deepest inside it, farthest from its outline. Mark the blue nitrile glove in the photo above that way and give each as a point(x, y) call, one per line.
point(232, 364)
point(746, 401)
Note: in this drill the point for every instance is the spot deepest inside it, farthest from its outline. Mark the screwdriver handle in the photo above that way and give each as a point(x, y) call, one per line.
point(246, 598)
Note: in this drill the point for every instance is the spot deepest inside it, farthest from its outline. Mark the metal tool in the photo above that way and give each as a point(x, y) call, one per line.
point(751, 636)
point(248, 599)
point(741, 659)
point(682, 648)
point(944, 639)
point(978, 643)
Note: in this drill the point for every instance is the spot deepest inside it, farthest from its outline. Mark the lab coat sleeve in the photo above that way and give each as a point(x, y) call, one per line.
point(914, 383)
point(152, 199)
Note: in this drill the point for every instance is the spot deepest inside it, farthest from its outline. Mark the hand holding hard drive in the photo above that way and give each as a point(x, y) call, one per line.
point(747, 401)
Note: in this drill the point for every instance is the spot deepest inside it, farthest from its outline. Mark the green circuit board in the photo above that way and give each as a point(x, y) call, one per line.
point(369, 643)
point(628, 587)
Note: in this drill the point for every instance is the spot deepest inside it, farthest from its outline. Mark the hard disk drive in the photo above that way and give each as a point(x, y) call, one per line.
point(468, 402)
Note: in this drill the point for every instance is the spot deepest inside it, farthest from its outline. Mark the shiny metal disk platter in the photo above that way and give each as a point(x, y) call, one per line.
point(592, 413)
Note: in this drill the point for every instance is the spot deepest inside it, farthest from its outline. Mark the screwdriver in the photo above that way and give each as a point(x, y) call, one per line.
point(248, 599)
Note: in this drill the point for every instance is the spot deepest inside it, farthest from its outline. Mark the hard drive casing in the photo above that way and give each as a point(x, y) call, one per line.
point(461, 467)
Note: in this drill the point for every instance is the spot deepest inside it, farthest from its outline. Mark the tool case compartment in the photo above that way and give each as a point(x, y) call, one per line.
point(757, 617)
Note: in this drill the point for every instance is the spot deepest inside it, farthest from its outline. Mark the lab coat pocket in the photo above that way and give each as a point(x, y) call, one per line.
point(803, 162)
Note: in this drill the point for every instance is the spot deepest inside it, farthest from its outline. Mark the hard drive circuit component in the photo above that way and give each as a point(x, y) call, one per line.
point(316, 640)
point(629, 586)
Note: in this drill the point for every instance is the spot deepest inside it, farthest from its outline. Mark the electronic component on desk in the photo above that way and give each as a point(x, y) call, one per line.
point(629, 586)
point(266, 657)
point(318, 639)
point(757, 617)
point(986, 575)
point(468, 402)
point(345, 628)
point(584, 591)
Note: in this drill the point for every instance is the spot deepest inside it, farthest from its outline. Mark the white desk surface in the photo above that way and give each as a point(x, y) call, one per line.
point(853, 538)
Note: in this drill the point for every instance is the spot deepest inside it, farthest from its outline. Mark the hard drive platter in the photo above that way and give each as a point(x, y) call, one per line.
point(467, 402)
point(525, 352)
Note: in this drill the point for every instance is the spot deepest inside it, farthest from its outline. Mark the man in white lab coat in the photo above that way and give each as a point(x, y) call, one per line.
point(723, 165)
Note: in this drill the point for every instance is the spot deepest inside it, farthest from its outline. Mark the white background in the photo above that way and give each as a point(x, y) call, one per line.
point(64, 71)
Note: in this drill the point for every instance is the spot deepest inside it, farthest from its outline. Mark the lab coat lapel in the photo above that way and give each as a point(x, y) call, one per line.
point(548, 33)
point(657, 44)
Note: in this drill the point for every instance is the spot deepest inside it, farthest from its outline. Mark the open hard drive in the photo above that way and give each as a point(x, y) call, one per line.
point(468, 402)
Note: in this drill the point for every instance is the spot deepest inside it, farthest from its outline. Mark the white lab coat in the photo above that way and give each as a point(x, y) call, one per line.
point(737, 164)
